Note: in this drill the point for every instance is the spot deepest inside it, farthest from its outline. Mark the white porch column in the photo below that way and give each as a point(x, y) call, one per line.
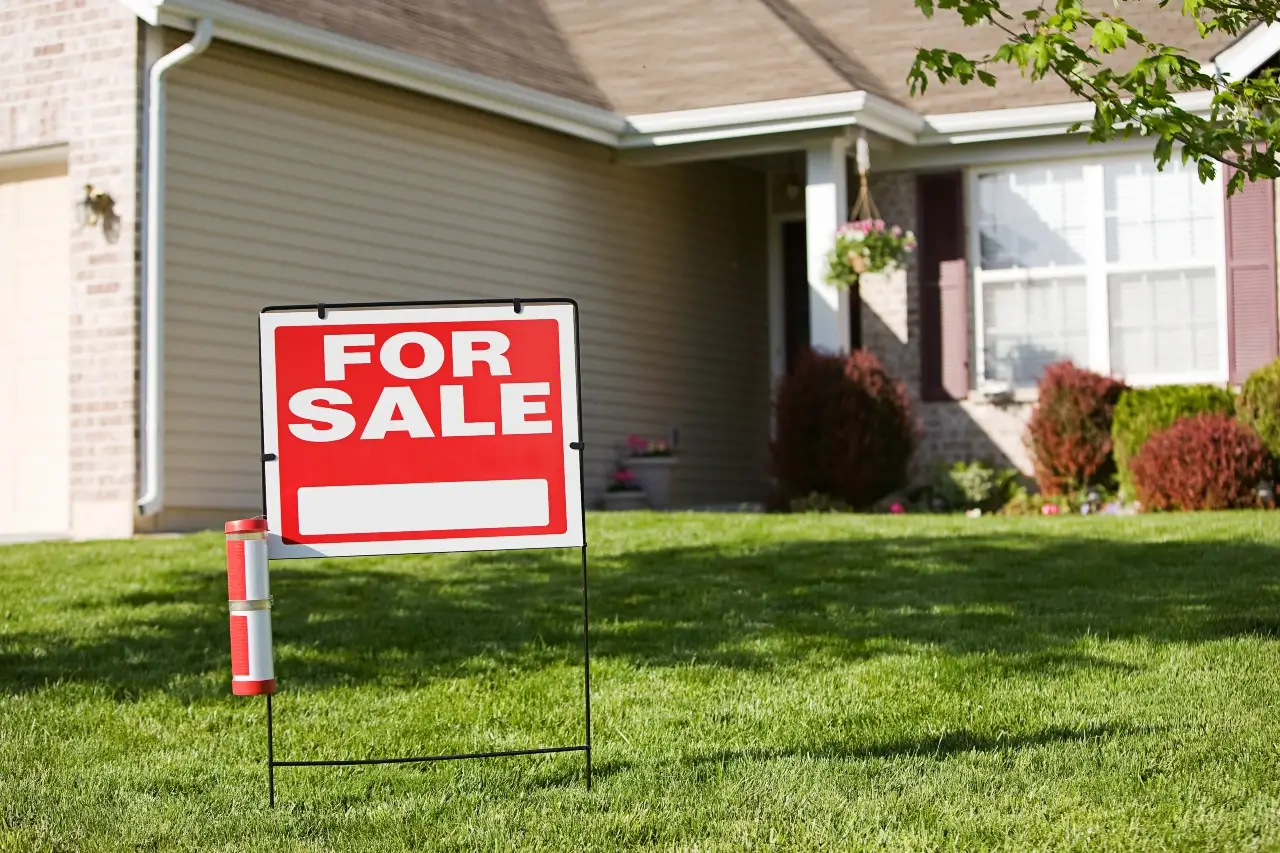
point(826, 204)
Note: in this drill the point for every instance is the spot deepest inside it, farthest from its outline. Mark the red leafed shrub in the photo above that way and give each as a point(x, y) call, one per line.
point(1207, 461)
point(843, 430)
point(1070, 429)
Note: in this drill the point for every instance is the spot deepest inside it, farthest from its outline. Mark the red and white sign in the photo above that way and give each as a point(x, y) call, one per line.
point(420, 429)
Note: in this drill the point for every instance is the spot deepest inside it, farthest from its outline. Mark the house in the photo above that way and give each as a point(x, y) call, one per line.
point(676, 166)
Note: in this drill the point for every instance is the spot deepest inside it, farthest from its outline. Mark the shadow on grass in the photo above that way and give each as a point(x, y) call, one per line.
point(947, 744)
point(1023, 601)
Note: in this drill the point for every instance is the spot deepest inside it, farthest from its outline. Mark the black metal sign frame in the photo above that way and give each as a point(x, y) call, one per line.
point(517, 305)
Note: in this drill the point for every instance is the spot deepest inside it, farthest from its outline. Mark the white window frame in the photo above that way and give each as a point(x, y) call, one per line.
point(1095, 272)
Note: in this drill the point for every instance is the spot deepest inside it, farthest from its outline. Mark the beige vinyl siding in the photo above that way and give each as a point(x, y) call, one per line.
point(288, 184)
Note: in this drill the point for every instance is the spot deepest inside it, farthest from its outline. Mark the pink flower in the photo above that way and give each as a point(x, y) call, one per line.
point(896, 230)
point(897, 509)
point(635, 442)
point(1049, 509)
point(879, 224)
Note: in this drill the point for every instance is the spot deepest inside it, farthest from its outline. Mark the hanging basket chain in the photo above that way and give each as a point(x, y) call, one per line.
point(866, 244)
point(865, 206)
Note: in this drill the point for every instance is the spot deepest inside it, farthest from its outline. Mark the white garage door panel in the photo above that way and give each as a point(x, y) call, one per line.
point(35, 416)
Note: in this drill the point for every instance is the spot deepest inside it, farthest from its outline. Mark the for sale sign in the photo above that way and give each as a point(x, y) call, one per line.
point(420, 428)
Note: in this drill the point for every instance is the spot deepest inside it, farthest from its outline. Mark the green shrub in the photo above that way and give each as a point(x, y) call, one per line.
point(1259, 405)
point(976, 485)
point(1142, 412)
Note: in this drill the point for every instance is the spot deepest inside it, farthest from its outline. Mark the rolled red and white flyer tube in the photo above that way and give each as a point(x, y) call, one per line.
point(249, 600)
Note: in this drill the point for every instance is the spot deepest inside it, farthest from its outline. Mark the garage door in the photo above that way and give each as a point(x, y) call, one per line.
point(35, 408)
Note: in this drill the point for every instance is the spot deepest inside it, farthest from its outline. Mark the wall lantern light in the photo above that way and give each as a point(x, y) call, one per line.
point(98, 207)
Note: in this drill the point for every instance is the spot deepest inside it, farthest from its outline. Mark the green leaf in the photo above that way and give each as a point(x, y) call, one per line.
point(1109, 35)
point(1235, 183)
point(1039, 52)
point(925, 6)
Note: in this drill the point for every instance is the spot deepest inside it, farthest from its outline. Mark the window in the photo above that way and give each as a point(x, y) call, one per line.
point(1114, 265)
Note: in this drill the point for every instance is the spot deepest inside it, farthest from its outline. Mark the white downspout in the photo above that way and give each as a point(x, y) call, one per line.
point(152, 365)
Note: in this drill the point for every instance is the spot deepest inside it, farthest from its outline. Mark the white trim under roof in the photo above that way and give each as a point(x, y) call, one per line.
point(735, 124)
point(1249, 52)
point(1025, 122)
point(27, 158)
point(840, 109)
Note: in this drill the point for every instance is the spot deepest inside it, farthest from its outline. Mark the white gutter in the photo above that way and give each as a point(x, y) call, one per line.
point(1027, 122)
point(762, 118)
point(152, 365)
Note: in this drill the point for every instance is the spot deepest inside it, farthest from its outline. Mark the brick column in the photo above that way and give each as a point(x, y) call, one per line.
point(891, 301)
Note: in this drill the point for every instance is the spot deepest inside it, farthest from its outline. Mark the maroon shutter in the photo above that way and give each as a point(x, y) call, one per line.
point(944, 287)
point(953, 292)
point(1251, 278)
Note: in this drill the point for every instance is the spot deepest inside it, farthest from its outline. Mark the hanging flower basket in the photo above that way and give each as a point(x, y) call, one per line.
point(867, 245)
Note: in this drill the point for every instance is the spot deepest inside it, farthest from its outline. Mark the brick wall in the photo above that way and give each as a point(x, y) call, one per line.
point(968, 430)
point(69, 72)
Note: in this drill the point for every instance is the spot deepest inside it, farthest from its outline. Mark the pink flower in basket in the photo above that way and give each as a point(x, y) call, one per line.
point(638, 446)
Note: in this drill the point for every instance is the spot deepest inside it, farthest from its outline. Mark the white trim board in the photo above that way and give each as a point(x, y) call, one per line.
point(1005, 152)
point(26, 158)
point(1024, 122)
point(839, 109)
point(1249, 52)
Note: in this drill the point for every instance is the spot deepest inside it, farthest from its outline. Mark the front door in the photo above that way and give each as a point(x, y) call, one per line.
point(795, 285)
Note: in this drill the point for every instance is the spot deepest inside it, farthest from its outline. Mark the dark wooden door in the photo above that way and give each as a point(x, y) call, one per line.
point(795, 280)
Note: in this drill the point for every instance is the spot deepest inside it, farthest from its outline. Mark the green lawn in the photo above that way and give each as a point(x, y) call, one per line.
point(802, 682)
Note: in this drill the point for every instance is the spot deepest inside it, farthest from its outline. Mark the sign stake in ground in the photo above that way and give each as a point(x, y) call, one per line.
point(416, 428)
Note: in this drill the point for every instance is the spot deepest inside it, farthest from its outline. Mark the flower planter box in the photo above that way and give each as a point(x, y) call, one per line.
point(616, 501)
point(654, 473)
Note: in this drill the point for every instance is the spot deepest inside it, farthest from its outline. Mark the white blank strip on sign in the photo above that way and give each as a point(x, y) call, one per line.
point(411, 507)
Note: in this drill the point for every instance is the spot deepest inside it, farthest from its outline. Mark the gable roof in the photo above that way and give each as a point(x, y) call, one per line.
point(593, 62)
